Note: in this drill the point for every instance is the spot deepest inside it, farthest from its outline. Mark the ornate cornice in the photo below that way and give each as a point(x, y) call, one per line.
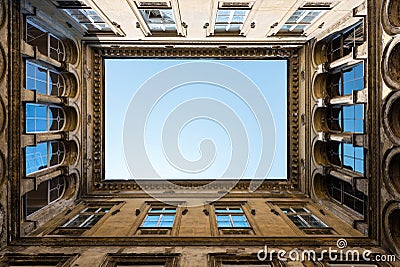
point(97, 105)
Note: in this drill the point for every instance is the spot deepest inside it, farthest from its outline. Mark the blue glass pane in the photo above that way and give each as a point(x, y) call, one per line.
point(36, 157)
point(235, 210)
point(359, 111)
point(348, 88)
point(348, 76)
point(41, 87)
point(167, 218)
point(348, 162)
point(158, 210)
point(359, 126)
point(238, 218)
point(221, 210)
point(222, 218)
point(348, 150)
point(240, 224)
point(30, 125)
point(348, 126)
point(152, 218)
point(224, 224)
point(166, 224)
point(149, 224)
point(359, 70)
point(359, 152)
point(359, 84)
point(30, 69)
point(359, 166)
point(348, 112)
point(30, 84)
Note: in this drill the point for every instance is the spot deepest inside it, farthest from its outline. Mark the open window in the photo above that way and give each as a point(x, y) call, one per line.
point(158, 18)
point(46, 193)
point(305, 220)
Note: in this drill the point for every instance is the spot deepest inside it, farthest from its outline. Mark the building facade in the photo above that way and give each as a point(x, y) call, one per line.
point(342, 191)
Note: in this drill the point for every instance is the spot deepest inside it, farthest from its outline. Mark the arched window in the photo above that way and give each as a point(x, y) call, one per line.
point(46, 193)
point(46, 43)
point(346, 195)
point(43, 156)
point(344, 43)
point(347, 156)
point(348, 118)
point(344, 81)
point(44, 80)
point(44, 118)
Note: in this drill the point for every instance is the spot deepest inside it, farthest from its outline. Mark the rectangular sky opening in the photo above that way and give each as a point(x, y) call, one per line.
point(195, 119)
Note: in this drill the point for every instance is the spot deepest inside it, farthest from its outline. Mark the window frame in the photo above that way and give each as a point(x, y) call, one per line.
point(49, 120)
point(112, 28)
point(244, 25)
point(330, 50)
point(61, 91)
point(62, 228)
point(145, 210)
point(252, 228)
point(307, 229)
point(172, 5)
point(49, 38)
point(48, 157)
point(49, 190)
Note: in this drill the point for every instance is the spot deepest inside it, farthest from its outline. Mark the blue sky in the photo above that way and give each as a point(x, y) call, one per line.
point(124, 77)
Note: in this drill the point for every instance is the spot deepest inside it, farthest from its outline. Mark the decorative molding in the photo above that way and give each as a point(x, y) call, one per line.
point(98, 145)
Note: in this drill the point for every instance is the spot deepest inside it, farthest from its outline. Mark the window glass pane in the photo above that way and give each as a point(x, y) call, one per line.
point(296, 16)
point(313, 221)
point(297, 221)
point(221, 209)
point(239, 221)
point(92, 221)
point(89, 19)
point(235, 209)
point(77, 221)
point(167, 221)
point(36, 158)
point(310, 17)
point(170, 210)
point(155, 210)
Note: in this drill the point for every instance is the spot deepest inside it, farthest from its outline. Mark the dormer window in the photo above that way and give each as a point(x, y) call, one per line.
point(158, 18)
point(231, 16)
point(301, 20)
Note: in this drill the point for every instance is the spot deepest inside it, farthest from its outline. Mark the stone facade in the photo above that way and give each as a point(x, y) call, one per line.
point(358, 205)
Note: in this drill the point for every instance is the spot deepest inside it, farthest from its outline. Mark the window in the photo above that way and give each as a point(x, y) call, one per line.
point(158, 16)
point(44, 155)
point(347, 156)
point(141, 259)
point(43, 80)
point(231, 217)
point(83, 221)
point(46, 43)
point(41, 260)
point(346, 118)
point(305, 220)
point(346, 81)
point(159, 217)
point(231, 16)
point(88, 18)
point(300, 20)
point(343, 44)
point(44, 118)
point(46, 193)
point(346, 195)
